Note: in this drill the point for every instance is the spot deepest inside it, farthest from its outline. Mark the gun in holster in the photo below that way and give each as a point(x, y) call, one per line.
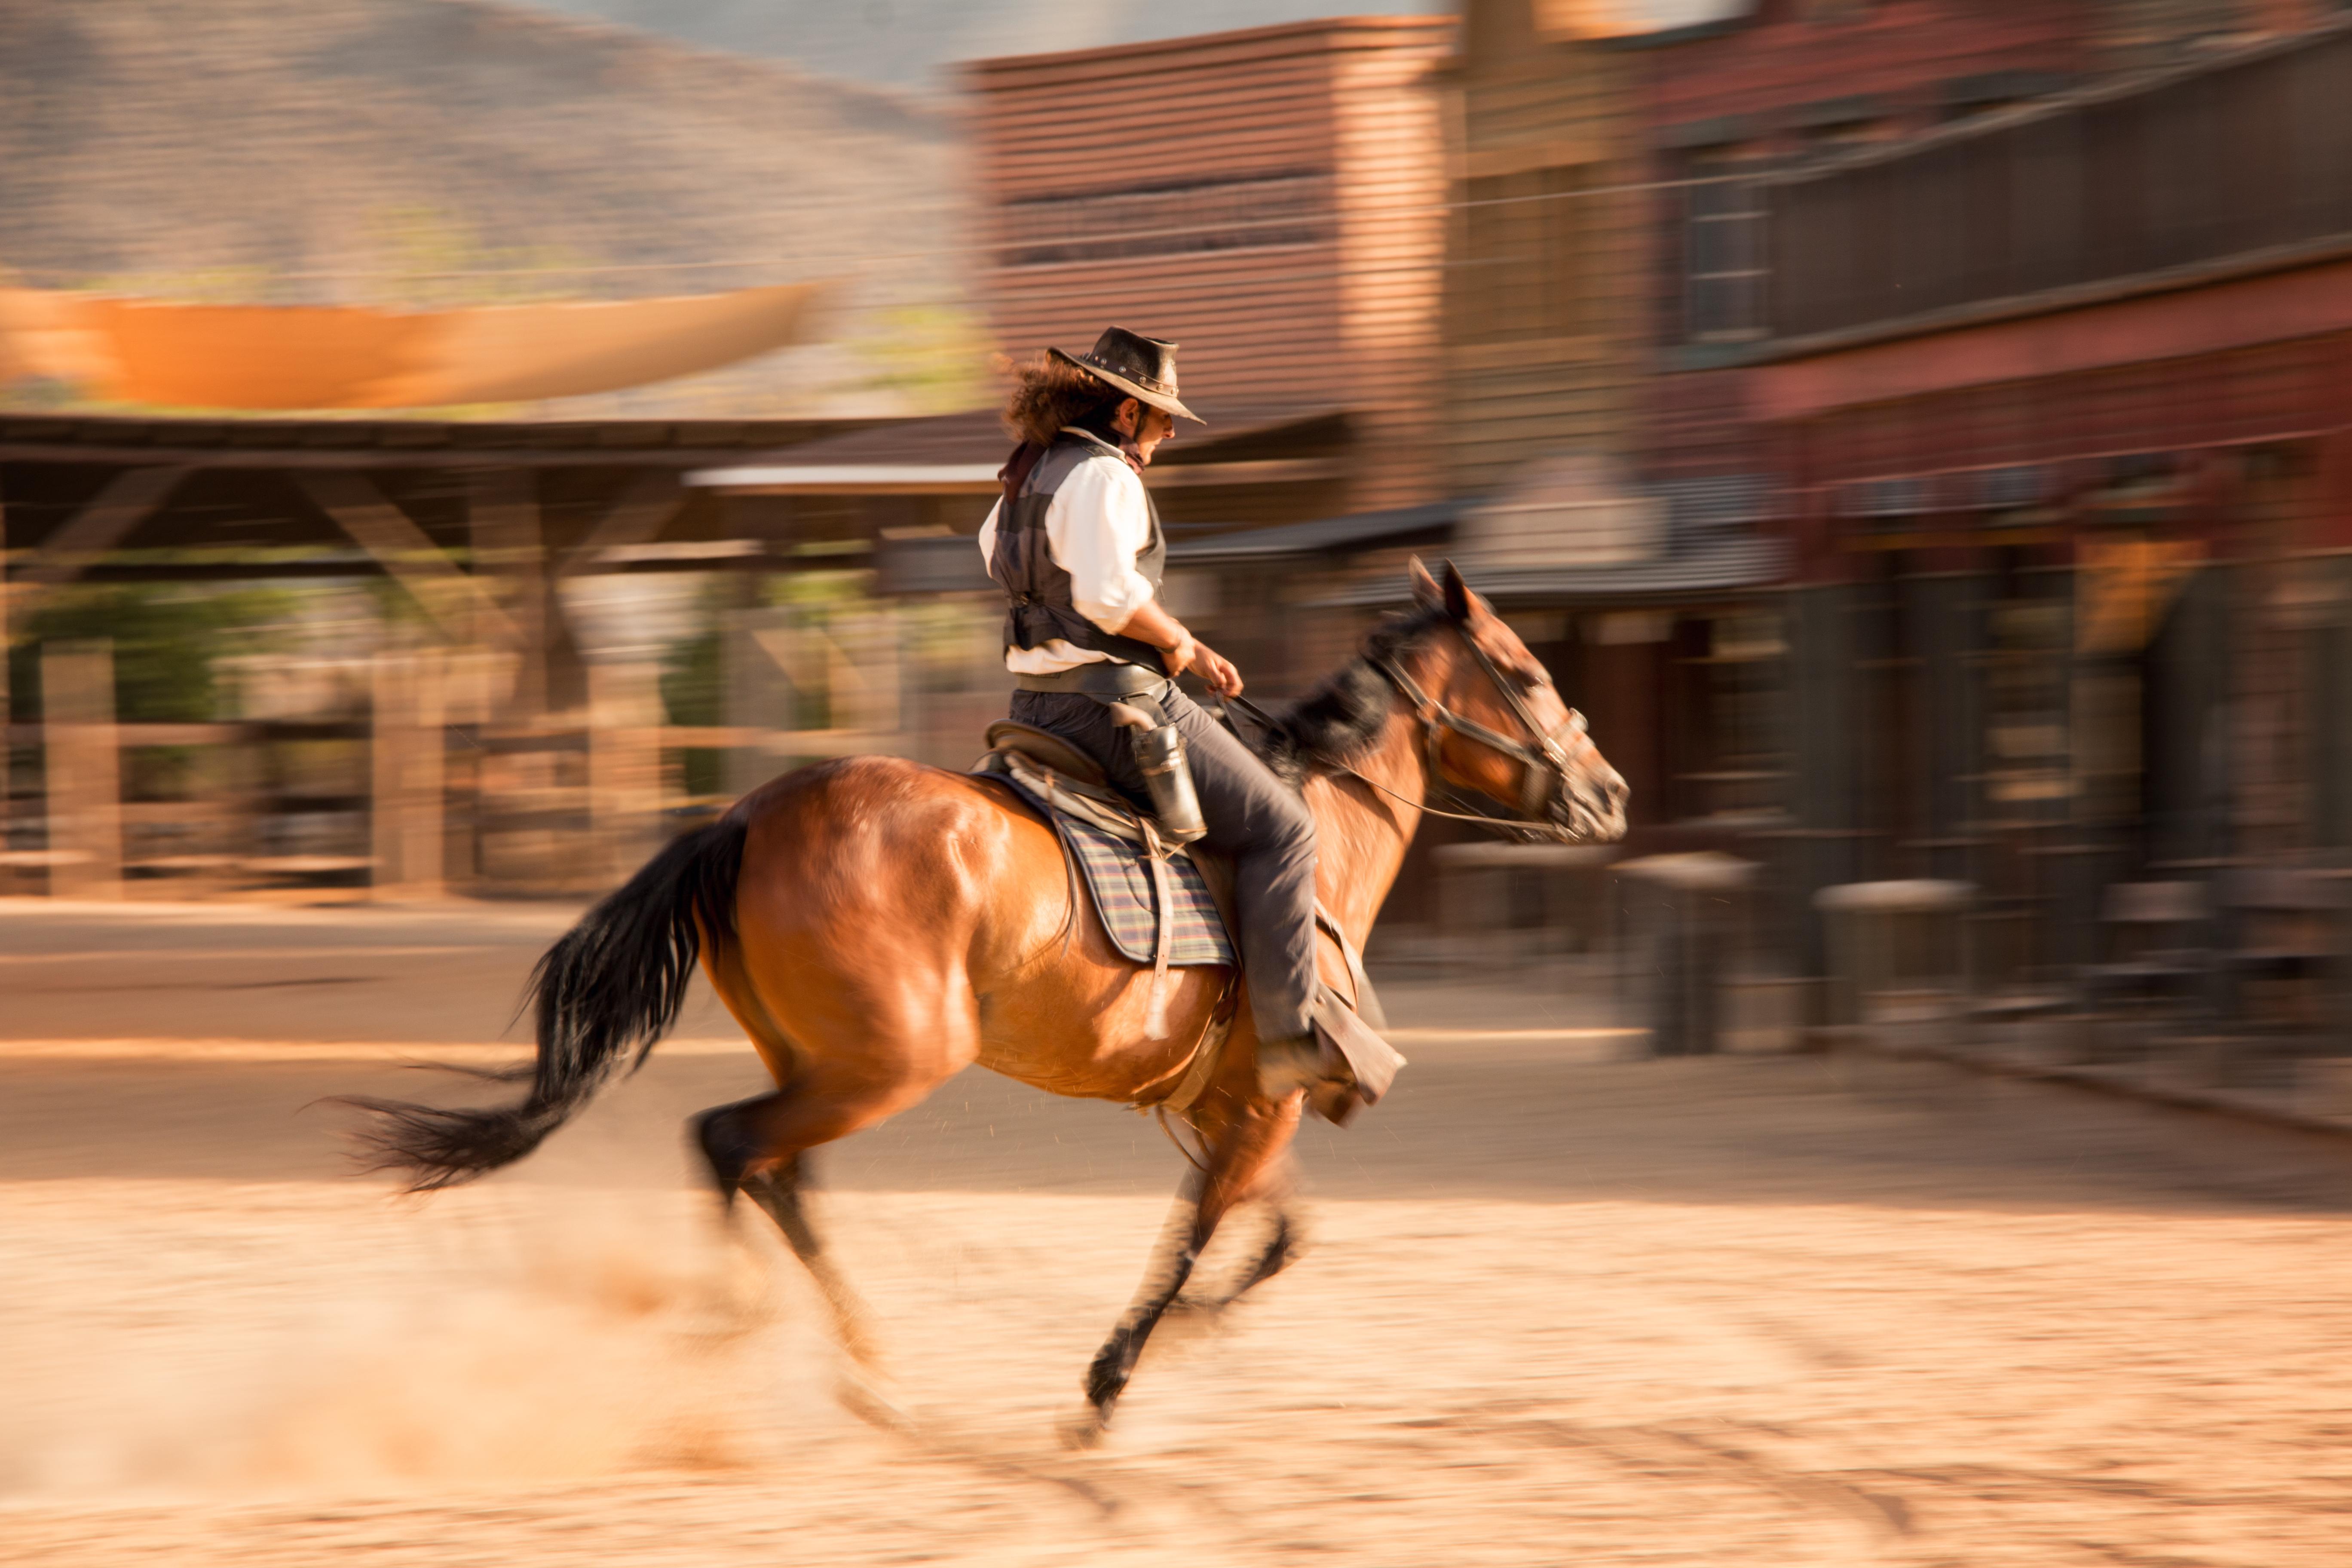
point(1132, 694)
point(1167, 771)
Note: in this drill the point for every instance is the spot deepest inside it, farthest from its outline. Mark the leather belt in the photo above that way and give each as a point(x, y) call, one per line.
point(1099, 679)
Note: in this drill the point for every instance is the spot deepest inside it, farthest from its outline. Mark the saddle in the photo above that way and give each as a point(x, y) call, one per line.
point(1065, 783)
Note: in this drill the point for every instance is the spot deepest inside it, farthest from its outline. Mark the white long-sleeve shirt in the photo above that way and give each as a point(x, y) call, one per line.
point(1096, 525)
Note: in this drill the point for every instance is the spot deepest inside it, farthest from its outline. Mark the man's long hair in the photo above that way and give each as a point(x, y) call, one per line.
point(1049, 395)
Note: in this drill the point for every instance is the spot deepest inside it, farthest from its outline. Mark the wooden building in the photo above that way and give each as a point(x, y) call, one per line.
point(1270, 199)
point(483, 721)
point(1795, 84)
point(2060, 401)
point(1611, 279)
point(1607, 229)
point(1544, 330)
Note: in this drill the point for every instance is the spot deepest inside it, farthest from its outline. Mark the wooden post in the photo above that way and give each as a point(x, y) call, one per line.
point(408, 759)
point(624, 778)
point(7, 753)
point(387, 747)
point(757, 690)
point(84, 782)
point(509, 566)
point(502, 526)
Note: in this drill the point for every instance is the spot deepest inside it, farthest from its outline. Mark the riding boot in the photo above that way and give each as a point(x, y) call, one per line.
point(1299, 1062)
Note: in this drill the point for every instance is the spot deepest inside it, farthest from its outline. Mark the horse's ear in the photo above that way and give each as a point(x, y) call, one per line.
point(1425, 590)
point(1457, 593)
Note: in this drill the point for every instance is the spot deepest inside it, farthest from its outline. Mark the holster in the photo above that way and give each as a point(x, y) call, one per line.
point(1133, 693)
point(1167, 771)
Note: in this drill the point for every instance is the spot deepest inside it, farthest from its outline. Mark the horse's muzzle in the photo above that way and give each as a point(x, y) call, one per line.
point(1590, 807)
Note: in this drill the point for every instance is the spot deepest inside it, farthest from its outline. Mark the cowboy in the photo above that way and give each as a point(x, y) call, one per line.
point(1076, 543)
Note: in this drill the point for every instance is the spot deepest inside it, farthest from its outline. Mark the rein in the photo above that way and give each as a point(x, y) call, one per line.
point(1545, 762)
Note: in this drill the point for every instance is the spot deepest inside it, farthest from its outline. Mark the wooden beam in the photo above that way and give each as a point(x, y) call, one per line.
point(130, 498)
point(456, 602)
point(644, 509)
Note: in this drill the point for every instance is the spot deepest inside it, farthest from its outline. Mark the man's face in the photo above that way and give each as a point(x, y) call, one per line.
point(1145, 426)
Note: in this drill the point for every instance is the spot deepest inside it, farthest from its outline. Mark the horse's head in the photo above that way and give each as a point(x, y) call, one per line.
point(1495, 723)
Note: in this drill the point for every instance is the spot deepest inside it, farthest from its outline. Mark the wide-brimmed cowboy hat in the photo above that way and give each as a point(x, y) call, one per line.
point(1143, 368)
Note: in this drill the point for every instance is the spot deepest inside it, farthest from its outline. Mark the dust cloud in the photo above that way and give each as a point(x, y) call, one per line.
point(488, 1339)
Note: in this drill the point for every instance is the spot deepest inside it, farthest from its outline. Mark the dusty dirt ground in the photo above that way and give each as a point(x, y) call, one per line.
point(1556, 1308)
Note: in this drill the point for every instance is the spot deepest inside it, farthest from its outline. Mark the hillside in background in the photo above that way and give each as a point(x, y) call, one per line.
point(456, 152)
point(909, 43)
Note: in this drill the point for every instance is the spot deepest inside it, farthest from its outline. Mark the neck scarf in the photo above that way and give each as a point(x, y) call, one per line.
point(1024, 459)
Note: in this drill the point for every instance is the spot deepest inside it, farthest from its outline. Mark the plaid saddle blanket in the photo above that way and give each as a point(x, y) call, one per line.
point(1120, 882)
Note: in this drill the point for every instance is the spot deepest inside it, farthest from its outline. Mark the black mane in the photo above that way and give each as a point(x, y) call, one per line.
point(1345, 713)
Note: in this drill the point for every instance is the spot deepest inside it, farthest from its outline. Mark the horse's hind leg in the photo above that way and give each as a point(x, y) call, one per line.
point(1244, 1162)
point(736, 1142)
point(881, 1049)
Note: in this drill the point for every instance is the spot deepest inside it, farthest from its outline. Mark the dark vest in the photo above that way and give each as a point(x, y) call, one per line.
point(1039, 606)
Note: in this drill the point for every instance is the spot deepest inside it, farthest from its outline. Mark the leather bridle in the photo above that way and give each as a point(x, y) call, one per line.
point(1544, 765)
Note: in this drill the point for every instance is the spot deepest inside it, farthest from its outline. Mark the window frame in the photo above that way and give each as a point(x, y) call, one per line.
point(1739, 172)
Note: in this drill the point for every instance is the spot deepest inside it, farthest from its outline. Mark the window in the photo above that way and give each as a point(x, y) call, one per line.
point(1723, 250)
point(1257, 212)
point(1522, 274)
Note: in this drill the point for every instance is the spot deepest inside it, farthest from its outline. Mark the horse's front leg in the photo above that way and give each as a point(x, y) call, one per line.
point(1277, 1252)
point(1245, 1139)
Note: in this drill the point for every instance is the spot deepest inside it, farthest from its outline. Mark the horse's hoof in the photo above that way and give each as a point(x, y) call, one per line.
point(1087, 1429)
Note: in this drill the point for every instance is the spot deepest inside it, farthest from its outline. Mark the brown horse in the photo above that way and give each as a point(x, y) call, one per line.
point(876, 926)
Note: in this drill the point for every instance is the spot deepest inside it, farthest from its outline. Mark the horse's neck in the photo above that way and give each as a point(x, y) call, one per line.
point(1361, 833)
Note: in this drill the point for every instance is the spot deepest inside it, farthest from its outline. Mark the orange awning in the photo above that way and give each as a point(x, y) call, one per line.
point(1633, 18)
point(179, 354)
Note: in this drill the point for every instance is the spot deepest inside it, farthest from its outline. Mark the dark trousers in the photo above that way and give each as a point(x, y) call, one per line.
point(1252, 816)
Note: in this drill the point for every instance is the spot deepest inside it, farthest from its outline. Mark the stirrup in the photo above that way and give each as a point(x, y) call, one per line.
point(1343, 1065)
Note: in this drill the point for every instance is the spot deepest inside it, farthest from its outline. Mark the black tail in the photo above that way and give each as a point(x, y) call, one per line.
point(608, 989)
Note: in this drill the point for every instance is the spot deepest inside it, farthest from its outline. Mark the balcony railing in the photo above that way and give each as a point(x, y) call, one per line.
point(2242, 163)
